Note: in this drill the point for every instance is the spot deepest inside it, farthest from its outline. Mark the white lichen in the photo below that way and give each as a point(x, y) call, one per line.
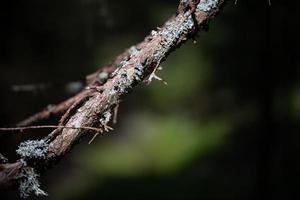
point(3, 159)
point(50, 107)
point(105, 118)
point(170, 35)
point(77, 124)
point(122, 84)
point(172, 32)
point(153, 33)
point(102, 77)
point(134, 51)
point(29, 183)
point(33, 149)
point(138, 72)
point(207, 5)
point(122, 64)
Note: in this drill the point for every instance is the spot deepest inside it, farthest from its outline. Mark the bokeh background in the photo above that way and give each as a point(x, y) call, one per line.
point(225, 127)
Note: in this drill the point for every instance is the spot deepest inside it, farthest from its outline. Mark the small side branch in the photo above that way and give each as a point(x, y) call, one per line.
point(21, 129)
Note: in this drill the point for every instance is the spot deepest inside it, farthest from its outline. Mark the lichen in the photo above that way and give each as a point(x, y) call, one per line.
point(123, 82)
point(29, 182)
point(153, 33)
point(3, 159)
point(122, 64)
point(170, 35)
point(172, 32)
point(102, 77)
point(138, 72)
point(77, 124)
point(50, 107)
point(33, 149)
point(134, 51)
point(207, 5)
point(105, 118)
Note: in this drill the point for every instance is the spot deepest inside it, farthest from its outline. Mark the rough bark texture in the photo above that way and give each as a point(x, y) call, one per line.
point(94, 107)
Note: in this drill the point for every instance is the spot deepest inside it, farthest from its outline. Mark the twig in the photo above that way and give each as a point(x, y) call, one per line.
point(75, 104)
point(21, 129)
point(52, 110)
point(116, 110)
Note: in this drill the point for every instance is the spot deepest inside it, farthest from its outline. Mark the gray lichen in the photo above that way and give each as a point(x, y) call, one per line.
point(29, 183)
point(138, 72)
point(3, 159)
point(33, 149)
point(134, 51)
point(122, 64)
point(207, 5)
point(153, 33)
point(105, 118)
point(123, 82)
point(28, 178)
point(172, 32)
point(102, 77)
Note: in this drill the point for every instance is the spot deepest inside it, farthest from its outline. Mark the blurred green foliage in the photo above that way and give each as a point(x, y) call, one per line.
point(186, 71)
point(158, 145)
point(153, 146)
point(295, 103)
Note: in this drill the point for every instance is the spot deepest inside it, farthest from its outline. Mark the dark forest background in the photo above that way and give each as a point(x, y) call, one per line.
point(226, 126)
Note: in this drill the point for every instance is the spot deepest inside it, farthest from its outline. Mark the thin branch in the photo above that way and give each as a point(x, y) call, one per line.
point(21, 129)
point(95, 79)
point(52, 110)
point(134, 66)
point(116, 110)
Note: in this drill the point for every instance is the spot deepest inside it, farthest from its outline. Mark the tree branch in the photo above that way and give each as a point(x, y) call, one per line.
point(96, 108)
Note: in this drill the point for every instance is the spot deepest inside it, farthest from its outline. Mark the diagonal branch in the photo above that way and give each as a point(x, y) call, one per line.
point(127, 71)
point(96, 79)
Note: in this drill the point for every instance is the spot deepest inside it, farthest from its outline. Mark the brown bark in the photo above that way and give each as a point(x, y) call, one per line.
point(93, 108)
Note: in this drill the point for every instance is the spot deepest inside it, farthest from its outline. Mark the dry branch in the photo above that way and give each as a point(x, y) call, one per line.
point(94, 108)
